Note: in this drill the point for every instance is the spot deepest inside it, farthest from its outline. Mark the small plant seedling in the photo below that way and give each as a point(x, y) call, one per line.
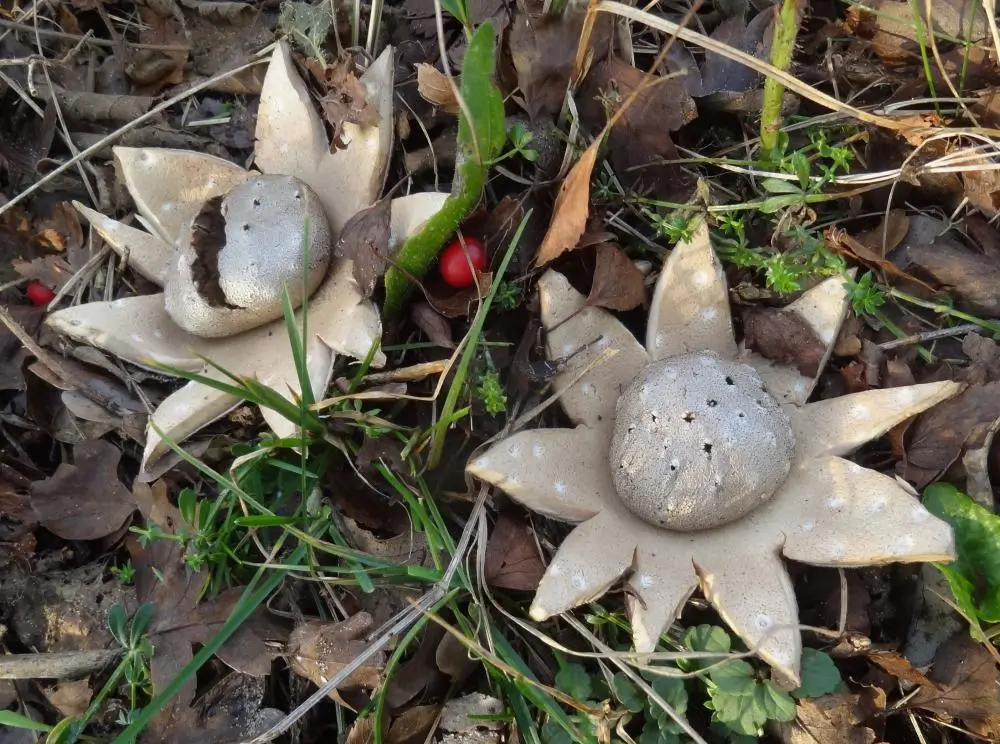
point(491, 392)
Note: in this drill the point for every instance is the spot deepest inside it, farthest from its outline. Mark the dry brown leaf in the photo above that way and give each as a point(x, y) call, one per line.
point(319, 649)
point(433, 324)
point(512, 560)
point(831, 719)
point(365, 240)
point(434, 87)
point(69, 697)
point(785, 337)
point(569, 216)
point(346, 99)
point(618, 284)
point(937, 436)
point(964, 684)
point(459, 303)
point(413, 725)
point(84, 500)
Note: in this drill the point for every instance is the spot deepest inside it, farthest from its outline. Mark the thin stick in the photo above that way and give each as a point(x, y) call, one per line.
point(103, 142)
point(919, 338)
point(88, 39)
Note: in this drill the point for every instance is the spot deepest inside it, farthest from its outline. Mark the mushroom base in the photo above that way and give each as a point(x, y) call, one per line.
point(698, 442)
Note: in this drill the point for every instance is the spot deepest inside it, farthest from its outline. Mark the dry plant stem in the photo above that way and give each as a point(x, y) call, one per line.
point(88, 39)
point(919, 338)
point(395, 628)
point(58, 665)
point(83, 154)
point(782, 50)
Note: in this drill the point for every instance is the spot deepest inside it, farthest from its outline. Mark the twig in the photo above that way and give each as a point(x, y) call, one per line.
point(125, 128)
point(15, 26)
point(939, 333)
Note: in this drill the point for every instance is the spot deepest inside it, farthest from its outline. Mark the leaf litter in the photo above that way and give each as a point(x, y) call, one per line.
point(72, 516)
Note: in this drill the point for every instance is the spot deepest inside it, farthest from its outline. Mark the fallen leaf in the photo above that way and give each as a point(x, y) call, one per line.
point(543, 50)
point(69, 697)
point(784, 336)
point(365, 240)
point(228, 713)
point(618, 284)
point(84, 500)
point(936, 437)
point(345, 100)
point(418, 672)
point(413, 725)
point(319, 649)
point(512, 559)
point(433, 324)
point(569, 215)
point(831, 719)
point(459, 303)
point(720, 74)
point(452, 658)
point(433, 86)
point(964, 684)
point(933, 255)
point(181, 619)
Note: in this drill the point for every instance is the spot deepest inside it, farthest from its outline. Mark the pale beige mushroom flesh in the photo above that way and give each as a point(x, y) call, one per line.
point(226, 244)
point(695, 463)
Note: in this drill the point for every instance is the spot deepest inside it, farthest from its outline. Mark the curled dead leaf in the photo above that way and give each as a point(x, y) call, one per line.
point(569, 216)
point(434, 87)
point(319, 649)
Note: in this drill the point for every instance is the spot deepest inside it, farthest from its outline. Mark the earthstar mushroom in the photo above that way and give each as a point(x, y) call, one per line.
point(225, 243)
point(695, 462)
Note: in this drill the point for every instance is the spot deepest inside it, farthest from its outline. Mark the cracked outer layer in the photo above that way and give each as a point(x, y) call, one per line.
point(256, 249)
point(698, 442)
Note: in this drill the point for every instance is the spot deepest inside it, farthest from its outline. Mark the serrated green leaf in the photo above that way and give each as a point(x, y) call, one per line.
point(977, 542)
point(820, 675)
point(575, 682)
point(673, 691)
point(480, 140)
point(777, 704)
point(740, 713)
point(734, 678)
point(627, 693)
point(708, 639)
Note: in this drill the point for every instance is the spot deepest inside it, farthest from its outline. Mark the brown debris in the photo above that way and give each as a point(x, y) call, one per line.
point(84, 500)
point(618, 284)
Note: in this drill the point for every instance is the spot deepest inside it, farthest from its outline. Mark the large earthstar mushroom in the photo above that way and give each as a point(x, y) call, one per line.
point(225, 243)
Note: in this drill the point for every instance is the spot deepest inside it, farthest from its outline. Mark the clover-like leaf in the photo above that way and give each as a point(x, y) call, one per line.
point(734, 678)
point(575, 682)
point(627, 693)
point(820, 675)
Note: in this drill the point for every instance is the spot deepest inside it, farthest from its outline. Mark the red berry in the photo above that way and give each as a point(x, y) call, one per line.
point(38, 294)
point(454, 266)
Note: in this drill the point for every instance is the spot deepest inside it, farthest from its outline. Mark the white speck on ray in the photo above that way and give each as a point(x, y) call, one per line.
point(834, 503)
point(860, 411)
point(560, 487)
point(579, 580)
point(919, 514)
point(708, 313)
point(538, 450)
point(700, 278)
point(904, 545)
point(763, 621)
point(645, 581)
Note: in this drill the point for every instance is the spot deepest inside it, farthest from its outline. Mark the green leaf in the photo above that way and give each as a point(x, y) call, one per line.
point(553, 733)
point(777, 704)
point(740, 713)
point(780, 186)
point(706, 638)
point(480, 140)
point(627, 693)
point(653, 734)
point(820, 675)
point(734, 678)
point(16, 720)
point(977, 541)
point(673, 691)
point(575, 682)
